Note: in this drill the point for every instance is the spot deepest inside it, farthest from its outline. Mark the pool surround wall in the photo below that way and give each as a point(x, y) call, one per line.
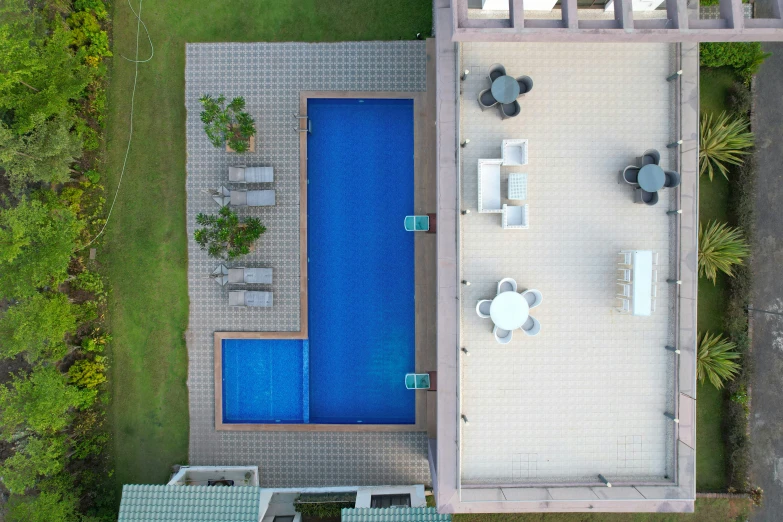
point(421, 165)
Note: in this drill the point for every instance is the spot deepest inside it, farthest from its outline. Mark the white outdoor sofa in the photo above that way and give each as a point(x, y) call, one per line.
point(489, 185)
point(242, 174)
point(515, 217)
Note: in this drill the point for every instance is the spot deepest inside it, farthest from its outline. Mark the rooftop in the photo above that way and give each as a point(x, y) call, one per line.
point(147, 503)
point(587, 395)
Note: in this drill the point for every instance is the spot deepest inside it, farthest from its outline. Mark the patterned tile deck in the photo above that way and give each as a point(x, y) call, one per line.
point(270, 77)
point(588, 394)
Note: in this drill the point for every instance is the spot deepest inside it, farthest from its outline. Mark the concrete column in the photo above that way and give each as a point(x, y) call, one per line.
point(516, 12)
point(623, 14)
point(570, 15)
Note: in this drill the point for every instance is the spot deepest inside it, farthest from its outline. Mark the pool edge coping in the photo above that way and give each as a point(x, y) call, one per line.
point(418, 98)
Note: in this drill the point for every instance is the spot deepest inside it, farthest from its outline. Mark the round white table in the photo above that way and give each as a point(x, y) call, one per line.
point(509, 310)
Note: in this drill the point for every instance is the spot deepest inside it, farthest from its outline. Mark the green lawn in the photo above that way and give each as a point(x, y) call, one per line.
point(713, 204)
point(707, 510)
point(144, 254)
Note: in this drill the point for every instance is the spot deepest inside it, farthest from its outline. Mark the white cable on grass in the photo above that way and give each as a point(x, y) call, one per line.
point(139, 24)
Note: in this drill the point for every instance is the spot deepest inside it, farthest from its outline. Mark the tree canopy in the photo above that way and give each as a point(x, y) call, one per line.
point(42, 402)
point(37, 458)
point(37, 239)
point(37, 327)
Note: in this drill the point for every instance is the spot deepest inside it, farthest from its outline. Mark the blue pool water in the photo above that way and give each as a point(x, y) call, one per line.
point(360, 280)
point(264, 380)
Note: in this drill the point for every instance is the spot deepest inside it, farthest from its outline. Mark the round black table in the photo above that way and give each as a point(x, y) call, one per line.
point(651, 178)
point(505, 89)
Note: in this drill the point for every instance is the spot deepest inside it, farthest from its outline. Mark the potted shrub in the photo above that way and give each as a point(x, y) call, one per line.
point(227, 124)
point(225, 236)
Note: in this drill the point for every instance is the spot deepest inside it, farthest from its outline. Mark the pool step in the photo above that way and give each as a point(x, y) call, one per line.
point(306, 381)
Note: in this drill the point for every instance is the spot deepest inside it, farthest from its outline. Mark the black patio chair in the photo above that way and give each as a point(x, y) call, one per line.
point(651, 157)
point(496, 71)
point(509, 110)
point(486, 100)
point(630, 175)
point(525, 85)
point(672, 179)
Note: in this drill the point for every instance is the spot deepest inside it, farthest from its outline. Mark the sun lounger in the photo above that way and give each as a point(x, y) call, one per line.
point(249, 298)
point(242, 174)
point(244, 198)
point(242, 275)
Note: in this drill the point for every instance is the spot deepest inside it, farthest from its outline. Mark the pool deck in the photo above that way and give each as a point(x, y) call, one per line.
point(272, 77)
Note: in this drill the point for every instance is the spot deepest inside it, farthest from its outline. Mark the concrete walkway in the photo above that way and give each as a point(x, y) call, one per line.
point(767, 409)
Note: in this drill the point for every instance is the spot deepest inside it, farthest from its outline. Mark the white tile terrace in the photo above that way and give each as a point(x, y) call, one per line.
point(588, 394)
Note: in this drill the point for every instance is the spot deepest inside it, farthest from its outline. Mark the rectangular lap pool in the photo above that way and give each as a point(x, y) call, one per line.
point(360, 284)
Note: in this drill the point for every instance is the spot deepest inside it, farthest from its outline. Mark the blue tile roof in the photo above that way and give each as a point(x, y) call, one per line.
point(147, 503)
point(393, 515)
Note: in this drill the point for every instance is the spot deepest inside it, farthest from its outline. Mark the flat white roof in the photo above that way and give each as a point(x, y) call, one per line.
point(588, 394)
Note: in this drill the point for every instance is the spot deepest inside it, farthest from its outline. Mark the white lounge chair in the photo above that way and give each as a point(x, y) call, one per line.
point(514, 217)
point(249, 298)
point(489, 185)
point(533, 297)
point(531, 326)
point(482, 308)
point(507, 285)
point(244, 198)
point(514, 152)
point(502, 336)
point(242, 275)
point(242, 174)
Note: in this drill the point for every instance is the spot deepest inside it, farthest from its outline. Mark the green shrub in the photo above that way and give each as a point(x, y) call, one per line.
point(227, 124)
point(92, 282)
point(744, 57)
point(226, 237)
point(723, 141)
point(739, 99)
point(716, 359)
point(324, 505)
point(720, 248)
point(88, 373)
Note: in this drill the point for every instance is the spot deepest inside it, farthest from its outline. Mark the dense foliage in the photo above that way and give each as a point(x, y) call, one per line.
point(225, 236)
point(227, 124)
point(52, 95)
point(324, 505)
point(744, 57)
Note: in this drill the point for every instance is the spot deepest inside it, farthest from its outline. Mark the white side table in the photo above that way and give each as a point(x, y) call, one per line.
point(517, 186)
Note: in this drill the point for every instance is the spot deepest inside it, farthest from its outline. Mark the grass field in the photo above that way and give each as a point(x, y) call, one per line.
point(145, 254)
point(707, 510)
point(713, 204)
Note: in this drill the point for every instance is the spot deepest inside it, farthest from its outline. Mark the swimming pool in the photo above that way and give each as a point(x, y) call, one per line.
point(360, 279)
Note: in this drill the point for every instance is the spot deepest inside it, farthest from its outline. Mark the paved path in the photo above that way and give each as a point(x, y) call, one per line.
point(767, 412)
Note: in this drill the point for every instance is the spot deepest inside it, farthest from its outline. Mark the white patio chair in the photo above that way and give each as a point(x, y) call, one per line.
point(533, 297)
point(625, 306)
point(482, 308)
point(489, 185)
point(502, 336)
point(507, 285)
point(654, 291)
point(624, 275)
point(625, 258)
point(532, 326)
point(514, 217)
point(655, 258)
point(513, 152)
point(652, 305)
point(625, 291)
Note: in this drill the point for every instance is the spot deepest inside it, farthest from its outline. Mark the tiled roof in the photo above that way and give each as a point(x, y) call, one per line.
point(145, 503)
point(393, 515)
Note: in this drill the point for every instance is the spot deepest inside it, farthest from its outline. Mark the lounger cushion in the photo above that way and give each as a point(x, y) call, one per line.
point(260, 198)
point(258, 298)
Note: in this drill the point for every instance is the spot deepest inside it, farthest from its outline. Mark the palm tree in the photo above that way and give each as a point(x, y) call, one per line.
point(723, 140)
point(716, 359)
point(720, 247)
